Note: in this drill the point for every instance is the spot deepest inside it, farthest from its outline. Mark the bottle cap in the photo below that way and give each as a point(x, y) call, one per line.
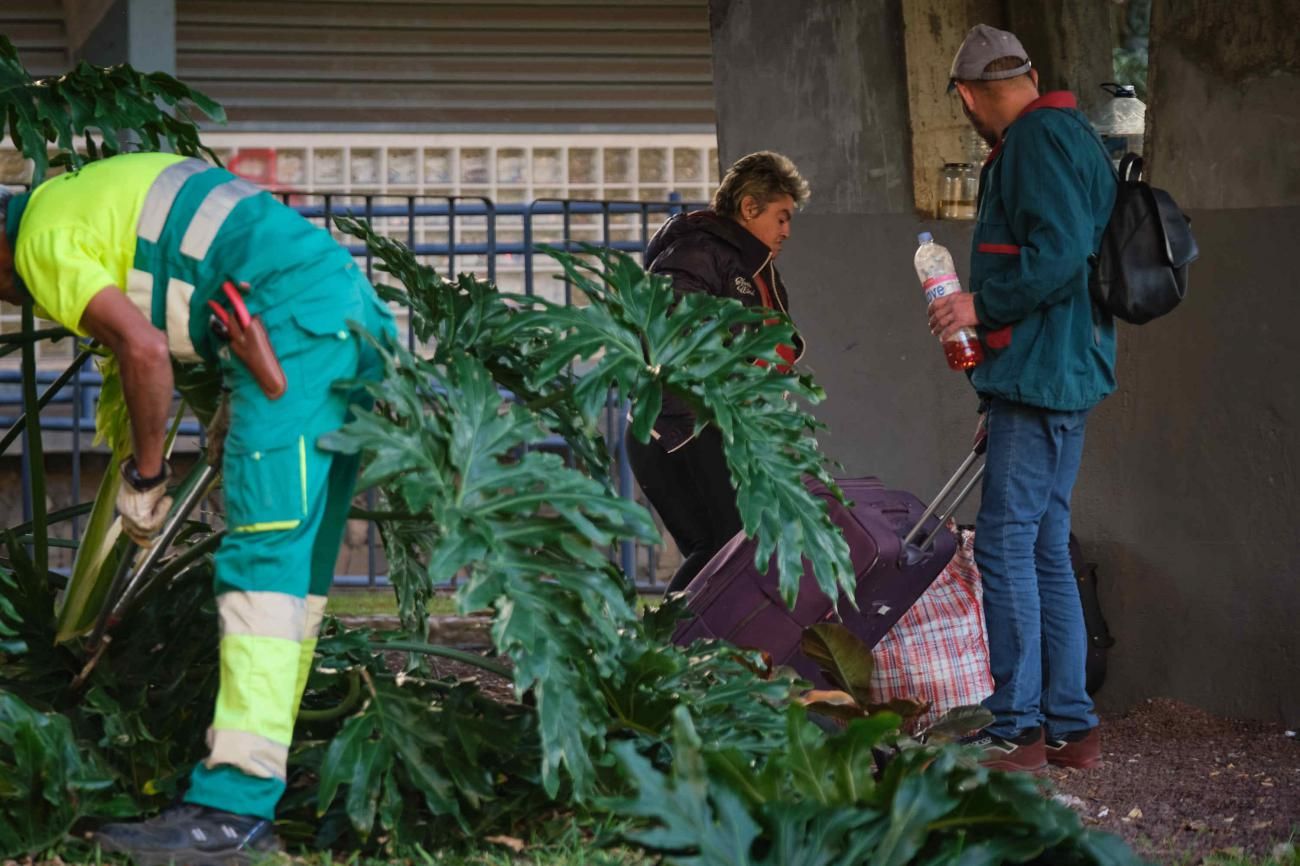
point(1120, 91)
point(924, 238)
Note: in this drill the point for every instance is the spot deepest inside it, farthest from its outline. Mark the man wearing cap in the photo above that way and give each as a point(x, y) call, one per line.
point(1046, 194)
point(158, 257)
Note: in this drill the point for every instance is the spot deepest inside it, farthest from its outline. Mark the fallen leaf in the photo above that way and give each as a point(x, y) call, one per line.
point(516, 845)
point(832, 697)
point(1229, 819)
point(1135, 813)
point(1105, 810)
point(1197, 826)
point(1260, 825)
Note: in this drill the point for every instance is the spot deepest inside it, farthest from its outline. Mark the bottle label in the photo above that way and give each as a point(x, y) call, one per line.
point(936, 287)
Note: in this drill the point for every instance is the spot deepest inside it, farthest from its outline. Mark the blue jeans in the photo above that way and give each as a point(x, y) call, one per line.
point(1037, 640)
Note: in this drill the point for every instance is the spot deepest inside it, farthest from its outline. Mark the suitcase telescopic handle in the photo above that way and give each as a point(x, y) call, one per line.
point(916, 548)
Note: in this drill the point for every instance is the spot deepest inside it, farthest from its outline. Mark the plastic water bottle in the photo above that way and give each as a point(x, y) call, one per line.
point(1121, 121)
point(938, 277)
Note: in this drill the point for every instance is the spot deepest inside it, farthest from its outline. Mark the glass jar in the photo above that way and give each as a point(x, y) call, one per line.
point(958, 185)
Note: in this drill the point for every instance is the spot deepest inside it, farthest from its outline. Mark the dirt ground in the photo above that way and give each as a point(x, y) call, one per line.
point(1179, 784)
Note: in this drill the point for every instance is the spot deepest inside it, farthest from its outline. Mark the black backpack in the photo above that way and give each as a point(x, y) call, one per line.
point(1140, 271)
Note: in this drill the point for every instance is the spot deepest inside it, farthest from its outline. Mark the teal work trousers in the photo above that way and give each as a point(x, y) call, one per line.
point(286, 503)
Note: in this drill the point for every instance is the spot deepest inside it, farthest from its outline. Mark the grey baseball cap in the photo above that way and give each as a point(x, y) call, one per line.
point(983, 45)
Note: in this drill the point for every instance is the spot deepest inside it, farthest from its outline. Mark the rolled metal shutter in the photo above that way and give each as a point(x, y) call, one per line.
point(35, 27)
point(593, 65)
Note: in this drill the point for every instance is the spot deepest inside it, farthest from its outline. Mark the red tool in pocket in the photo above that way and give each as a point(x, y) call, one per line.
point(248, 341)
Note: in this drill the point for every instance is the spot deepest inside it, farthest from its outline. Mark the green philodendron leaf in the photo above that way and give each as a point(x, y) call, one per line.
point(200, 387)
point(1104, 849)
point(853, 760)
point(102, 542)
point(638, 337)
point(470, 317)
point(112, 423)
point(806, 834)
point(47, 779)
point(842, 656)
point(530, 534)
point(920, 798)
point(805, 758)
point(352, 750)
point(373, 763)
point(958, 722)
point(904, 708)
point(30, 664)
point(53, 112)
point(697, 822)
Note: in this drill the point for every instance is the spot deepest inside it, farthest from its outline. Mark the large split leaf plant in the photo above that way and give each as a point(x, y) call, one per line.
point(699, 754)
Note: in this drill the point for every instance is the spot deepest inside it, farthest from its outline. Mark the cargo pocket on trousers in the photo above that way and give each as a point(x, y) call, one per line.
point(266, 489)
point(327, 350)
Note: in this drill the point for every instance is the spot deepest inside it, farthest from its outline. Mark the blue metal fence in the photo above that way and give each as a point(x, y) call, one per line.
point(452, 234)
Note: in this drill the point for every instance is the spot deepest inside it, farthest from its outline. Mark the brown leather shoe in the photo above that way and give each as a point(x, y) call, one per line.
point(1021, 753)
point(1080, 750)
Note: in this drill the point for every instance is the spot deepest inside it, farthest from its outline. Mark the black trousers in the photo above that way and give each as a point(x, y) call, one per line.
point(691, 489)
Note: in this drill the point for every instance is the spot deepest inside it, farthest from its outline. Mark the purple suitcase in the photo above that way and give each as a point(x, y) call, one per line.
point(896, 553)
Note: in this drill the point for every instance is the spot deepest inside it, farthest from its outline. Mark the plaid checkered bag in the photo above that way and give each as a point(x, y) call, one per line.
point(938, 652)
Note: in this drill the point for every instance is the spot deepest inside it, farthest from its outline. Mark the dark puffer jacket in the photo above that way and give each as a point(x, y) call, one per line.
point(704, 252)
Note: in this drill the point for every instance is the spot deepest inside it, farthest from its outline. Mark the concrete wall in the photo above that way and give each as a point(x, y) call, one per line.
point(1189, 481)
point(1192, 488)
point(139, 32)
point(819, 82)
point(823, 82)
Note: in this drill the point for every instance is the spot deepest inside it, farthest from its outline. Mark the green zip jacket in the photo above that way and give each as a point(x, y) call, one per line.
point(1046, 193)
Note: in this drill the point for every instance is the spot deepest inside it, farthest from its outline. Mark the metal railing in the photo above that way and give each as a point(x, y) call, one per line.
point(452, 234)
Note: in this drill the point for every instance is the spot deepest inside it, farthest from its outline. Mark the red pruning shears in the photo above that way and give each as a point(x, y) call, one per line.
point(247, 339)
point(221, 318)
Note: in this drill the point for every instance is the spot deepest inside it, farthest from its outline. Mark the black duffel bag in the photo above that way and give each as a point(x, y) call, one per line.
point(1099, 639)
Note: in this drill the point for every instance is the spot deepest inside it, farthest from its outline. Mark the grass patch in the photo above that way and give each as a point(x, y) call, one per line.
point(553, 843)
point(382, 602)
point(1286, 854)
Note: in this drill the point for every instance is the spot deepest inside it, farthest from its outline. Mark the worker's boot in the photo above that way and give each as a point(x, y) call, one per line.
point(192, 835)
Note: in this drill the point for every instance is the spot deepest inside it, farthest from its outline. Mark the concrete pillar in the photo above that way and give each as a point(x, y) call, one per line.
point(139, 32)
point(825, 81)
point(1070, 43)
point(933, 31)
point(1192, 481)
point(822, 82)
point(1226, 133)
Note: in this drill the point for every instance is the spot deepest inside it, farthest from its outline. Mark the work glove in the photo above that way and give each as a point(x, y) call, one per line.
point(215, 432)
point(143, 511)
